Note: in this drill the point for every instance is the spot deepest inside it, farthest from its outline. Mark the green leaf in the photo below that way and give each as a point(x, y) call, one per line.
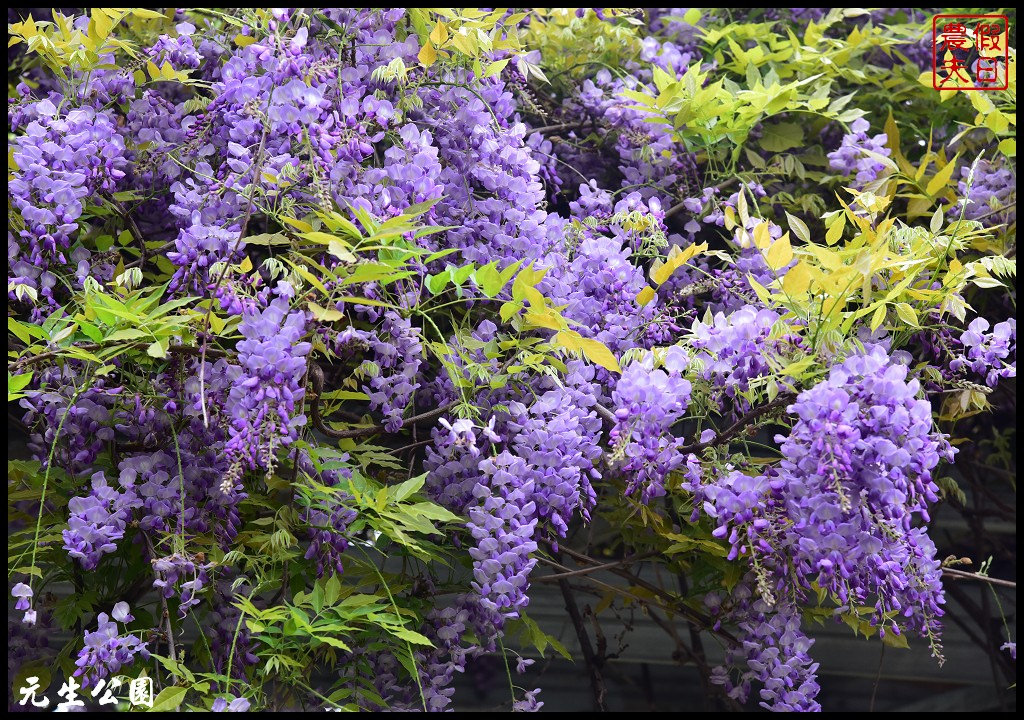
point(333, 642)
point(409, 636)
point(169, 699)
point(799, 228)
point(15, 383)
point(782, 136)
point(408, 488)
point(895, 641)
point(432, 511)
point(436, 283)
point(906, 313)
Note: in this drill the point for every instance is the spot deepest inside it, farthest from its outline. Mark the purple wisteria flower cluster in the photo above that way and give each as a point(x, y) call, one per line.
point(839, 512)
point(262, 403)
point(988, 190)
point(650, 401)
point(858, 155)
point(106, 649)
point(992, 355)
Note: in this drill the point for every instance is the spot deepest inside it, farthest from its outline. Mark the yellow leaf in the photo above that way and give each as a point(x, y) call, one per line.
point(660, 272)
point(427, 55)
point(298, 224)
point(762, 236)
point(762, 292)
point(523, 286)
point(892, 134)
point(878, 317)
point(568, 339)
point(780, 253)
point(154, 71)
point(941, 178)
point(906, 314)
point(310, 278)
point(530, 276)
point(835, 230)
point(599, 354)
point(645, 296)
point(546, 318)
point(797, 280)
point(918, 207)
point(923, 167)
point(244, 40)
point(325, 314)
point(741, 208)
point(439, 34)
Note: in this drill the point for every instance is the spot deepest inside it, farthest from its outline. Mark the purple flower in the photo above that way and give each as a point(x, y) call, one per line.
point(24, 594)
point(234, 704)
point(262, 404)
point(106, 651)
point(857, 156)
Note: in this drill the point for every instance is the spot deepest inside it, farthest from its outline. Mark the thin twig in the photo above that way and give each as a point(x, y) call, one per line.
point(961, 575)
point(738, 426)
point(593, 661)
point(559, 127)
point(316, 379)
point(596, 568)
point(163, 604)
point(682, 205)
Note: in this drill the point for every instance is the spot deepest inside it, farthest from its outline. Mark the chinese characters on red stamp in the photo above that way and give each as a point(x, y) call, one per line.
point(970, 52)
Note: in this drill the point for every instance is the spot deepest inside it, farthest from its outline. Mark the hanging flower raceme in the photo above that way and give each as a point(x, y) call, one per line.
point(649, 402)
point(263, 404)
point(106, 650)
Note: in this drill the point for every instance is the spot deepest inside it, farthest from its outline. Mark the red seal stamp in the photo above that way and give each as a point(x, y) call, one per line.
point(970, 52)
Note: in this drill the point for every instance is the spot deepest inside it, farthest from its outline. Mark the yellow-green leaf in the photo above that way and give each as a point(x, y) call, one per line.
point(427, 55)
point(645, 296)
point(298, 224)
point(599, 354)
point(941, 178)
point(878, 317)
point(780, 253)
point(325, 314)
point(835, 230)
point(797, 279)
point(906, 314)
